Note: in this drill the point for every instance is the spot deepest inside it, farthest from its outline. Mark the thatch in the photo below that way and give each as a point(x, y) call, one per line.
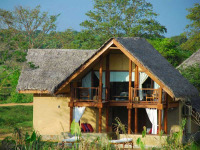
point(159, 67)
point(192, 60)
point(54, 66)
point(195, 103)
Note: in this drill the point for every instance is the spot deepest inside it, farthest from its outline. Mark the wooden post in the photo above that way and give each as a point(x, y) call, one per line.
point(136, 85)
point(165, 120)
point(160, 95)
point(136, 120)
point(130, 80)
point(166, 114)
point(92, 83)
point(100, 120)
point(71, 118)
point(107, 78)
point(100, 79)
point(129, 121)
point(71, 107)
point(159, 120)
point(159, 111)
point(107, 118)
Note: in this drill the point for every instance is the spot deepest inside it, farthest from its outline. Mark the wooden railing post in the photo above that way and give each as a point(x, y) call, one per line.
point(136, 85)
point(159, 111)
point(100, 79)
point(107, 78)
point(130, 79)
point(100, 93)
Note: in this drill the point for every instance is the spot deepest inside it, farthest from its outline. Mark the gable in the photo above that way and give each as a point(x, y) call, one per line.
point(149, 60)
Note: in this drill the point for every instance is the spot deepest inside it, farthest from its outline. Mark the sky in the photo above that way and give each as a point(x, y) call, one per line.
point(172, 13)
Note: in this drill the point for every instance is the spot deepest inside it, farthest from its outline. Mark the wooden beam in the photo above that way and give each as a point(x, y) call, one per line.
point(92, 82)
point(159, 120)
point(100, 79)
point(136, 83)
point(148, 105)
point(160, 95)
point(130, 81)
point(137, 62)
point(136, 120)
point(88, 63)
point(107, 78)
point(113, 48)
point(34, 92)
point(70, 118)
point(165, 120)
point(114, 103)
point(129, 121)
point(173, 104)
point(88, 104)
point(100, 120)
point(107, 118)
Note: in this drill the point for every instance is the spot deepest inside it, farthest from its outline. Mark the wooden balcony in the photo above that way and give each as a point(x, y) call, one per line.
point(147, 96)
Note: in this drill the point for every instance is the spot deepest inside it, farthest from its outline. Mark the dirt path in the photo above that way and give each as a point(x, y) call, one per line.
point(15, 104)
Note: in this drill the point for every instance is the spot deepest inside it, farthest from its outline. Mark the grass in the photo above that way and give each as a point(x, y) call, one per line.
point(16, 116)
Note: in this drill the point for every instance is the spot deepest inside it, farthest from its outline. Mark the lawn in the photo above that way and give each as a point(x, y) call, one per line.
point(15, 116)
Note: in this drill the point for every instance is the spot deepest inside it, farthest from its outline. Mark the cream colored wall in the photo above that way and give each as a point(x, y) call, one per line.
point(91, 115)
point(117, 62)
point(149, 140)
point(50, 115)
point(174, 117)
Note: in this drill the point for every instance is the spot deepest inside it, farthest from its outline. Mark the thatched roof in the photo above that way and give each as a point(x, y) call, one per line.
point(54, 66)
point(195, 103)
point(192, 60)
point(159, 66)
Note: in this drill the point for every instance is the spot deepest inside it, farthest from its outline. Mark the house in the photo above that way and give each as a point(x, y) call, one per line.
point(125, 78)
point(192, 60)
point(194, 101)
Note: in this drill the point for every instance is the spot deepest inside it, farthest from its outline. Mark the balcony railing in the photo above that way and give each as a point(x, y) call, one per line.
point(88, 93)
point(146, 95)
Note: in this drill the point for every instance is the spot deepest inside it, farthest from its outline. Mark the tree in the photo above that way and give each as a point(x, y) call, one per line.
point(25, 24)
point(193, 32)
point(192, 73)
point(113, 18)
point(170, 50)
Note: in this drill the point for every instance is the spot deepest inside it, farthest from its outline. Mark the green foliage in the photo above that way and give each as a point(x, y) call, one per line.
point(119, 127)
point(192, 73)
point(22, 141)
point(9, 120)
point(174, 141)
point(27, 26)
point(139, 141)
point(180, 39)
point(75, 128)
point(111, 18)
point(193, 33)
point(169, 49)
point(32, 66)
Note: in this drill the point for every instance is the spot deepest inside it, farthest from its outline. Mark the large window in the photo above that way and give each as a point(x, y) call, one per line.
point(119, 82)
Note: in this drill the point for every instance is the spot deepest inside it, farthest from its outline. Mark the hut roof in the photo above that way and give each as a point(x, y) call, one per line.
point(56, 66)
point(195, 103)
point(193, 59)
point(159, 66)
